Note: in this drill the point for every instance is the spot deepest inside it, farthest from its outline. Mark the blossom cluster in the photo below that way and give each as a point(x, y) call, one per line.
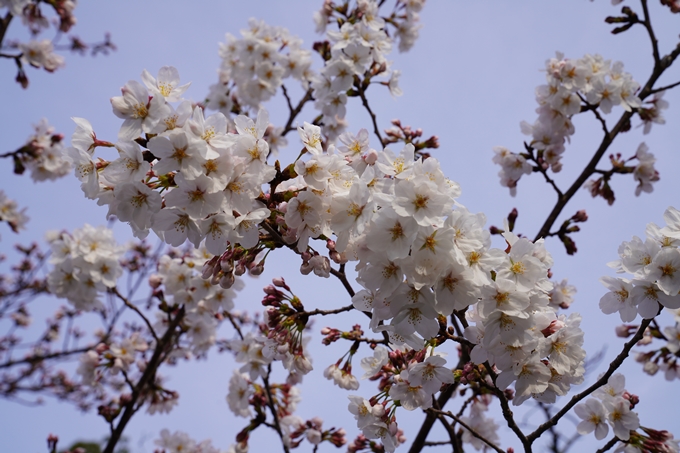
point(181, 442)
point(39, 53)
point(610, 403)
point(572, 86)
point(209, 179)
point(655, 268)
point(517, 329)
point(86, 263)
point(664, 358)
point(357, 50)
point(43, 154)
point(254, 66)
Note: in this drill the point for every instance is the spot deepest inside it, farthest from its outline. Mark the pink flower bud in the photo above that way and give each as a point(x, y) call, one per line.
point(155, 281)
point(257, 269)
point(622, 331)
point(371, 157)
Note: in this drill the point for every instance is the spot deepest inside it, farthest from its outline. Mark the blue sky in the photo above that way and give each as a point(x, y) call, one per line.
point(469, 79)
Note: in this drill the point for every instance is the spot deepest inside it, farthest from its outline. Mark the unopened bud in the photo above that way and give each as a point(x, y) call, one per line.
point(155, 281)
point(580, 216)
point(623, 331)
point(258, 269)
point(227, 281)
point(371, 157)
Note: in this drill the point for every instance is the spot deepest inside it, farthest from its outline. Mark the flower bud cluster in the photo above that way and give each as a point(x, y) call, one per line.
point(610, 403)
point(572, 86)
point(655, 268)
point(85, 264)
point(254, 66)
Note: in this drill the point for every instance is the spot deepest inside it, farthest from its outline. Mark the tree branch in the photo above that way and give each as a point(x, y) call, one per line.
point(136, 310)
point(472, 431)
point(364, 101)
point(149, 372)
point(608, 445)
point(652, 37)
point(607, 140)
point(294, 112)
point(272, 408)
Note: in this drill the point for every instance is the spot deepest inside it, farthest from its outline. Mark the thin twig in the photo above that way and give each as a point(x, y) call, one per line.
point(327, 312)
point(472, 431)
point(233, 322)
point(364, 101)
point(436, 443)
point(621, 125)
point(4, 25)
point(608, 445)
point(296, 111)
point(149, 372)
point(667, 87)
point(136, 310)
point(272, 408)
point(41, 358)
point(652, 37)
point(343, 279)
point(507, 412)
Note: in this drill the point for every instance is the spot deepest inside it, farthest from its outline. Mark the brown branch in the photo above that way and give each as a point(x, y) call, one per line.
point(136, 310)
point(608, 445)
point(621, 125)
point(364, 101)
point(613, 366)
point(157, 358)
point(294, 112)
point(472, 431)
point(507, 412)
point(272, 408)
point(343, 279)
point(233, 323)
point(32, 360)
point(326, 312)
point(4, 25)
point(652, 37)
point(664, 88)
point(436, 443)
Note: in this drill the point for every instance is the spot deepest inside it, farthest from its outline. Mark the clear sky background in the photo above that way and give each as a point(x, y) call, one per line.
point(469, 79)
